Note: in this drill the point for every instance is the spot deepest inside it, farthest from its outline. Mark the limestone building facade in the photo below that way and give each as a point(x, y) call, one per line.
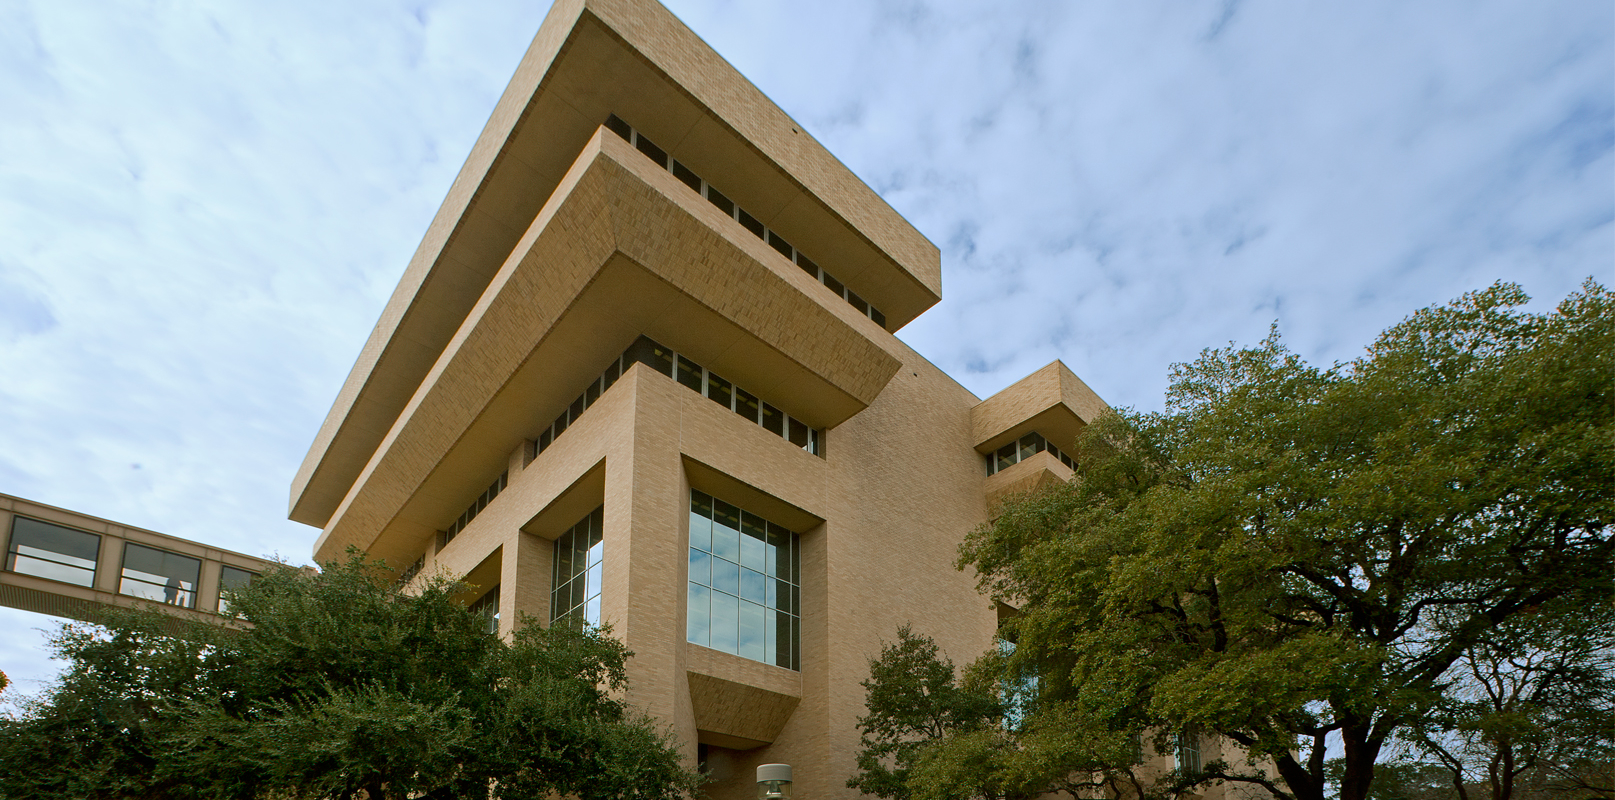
point(641, 371)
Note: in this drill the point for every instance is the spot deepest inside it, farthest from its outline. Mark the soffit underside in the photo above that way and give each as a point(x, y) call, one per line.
point(588, 60)
point(620, 252)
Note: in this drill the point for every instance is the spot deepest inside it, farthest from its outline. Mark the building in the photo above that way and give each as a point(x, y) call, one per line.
point(641, 371)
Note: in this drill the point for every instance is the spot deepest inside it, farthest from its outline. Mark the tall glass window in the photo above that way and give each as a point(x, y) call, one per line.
point(1188, 752)
point(52, 551)
point(575, 588)
point(745, 592)
point(159, 576)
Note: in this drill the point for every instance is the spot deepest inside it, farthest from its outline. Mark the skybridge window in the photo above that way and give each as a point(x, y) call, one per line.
point(51, 551)
point(159, 576)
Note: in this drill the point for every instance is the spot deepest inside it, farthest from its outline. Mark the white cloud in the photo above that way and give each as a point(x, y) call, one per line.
point(203, 206)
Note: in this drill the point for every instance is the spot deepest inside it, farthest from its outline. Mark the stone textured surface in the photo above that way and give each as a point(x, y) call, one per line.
point(1035, 473)
point(705, 288)
point(590, 59)
point(1052, 400)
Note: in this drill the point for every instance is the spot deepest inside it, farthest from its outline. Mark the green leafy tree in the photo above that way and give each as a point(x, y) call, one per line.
point(336, 685)
point(1289, 553)
point(914, 697)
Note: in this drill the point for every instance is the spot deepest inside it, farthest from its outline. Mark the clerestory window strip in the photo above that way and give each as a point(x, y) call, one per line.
point(693, 376)
point(688, 177)
point(1017, 451)
point(476, 507)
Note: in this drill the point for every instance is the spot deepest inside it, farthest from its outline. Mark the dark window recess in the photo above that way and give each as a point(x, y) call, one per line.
point(1027, 446)
point(784, 247)
point(691, 375)
point(835, 286)
point(719, 390)
point(615, 124)
point(807, 265)
point(751, 223)
point(879, 318)
point(487, 607)
point(858, 303)
point(656, 154)
point(412, 570)
point(746, 404)
point(687, 176)
point(723, 203)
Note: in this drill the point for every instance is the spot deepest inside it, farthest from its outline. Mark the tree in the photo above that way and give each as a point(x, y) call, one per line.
point(336, 685)
point(914, 697)
point(1531, 713)
point(1290, 552)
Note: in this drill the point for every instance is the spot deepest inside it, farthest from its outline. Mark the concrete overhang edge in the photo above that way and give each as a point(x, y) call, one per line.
point(355, 425)
point(605, 201)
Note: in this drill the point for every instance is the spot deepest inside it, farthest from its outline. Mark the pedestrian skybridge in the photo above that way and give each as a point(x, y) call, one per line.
point(66, 564)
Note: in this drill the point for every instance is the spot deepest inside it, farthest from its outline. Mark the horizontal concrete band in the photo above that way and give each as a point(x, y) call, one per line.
point(622, 250)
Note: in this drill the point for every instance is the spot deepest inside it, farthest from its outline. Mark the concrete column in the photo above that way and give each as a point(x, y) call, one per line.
point(524, 581)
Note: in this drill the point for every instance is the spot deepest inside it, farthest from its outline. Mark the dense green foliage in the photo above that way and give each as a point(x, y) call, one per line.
point(338, 686)
point(1290, 553)
point(914, 698)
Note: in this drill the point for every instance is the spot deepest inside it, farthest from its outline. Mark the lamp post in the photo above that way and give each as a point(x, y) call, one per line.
point(774, 782)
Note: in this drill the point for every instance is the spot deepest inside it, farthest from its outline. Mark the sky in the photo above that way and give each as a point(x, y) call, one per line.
point(204, 205)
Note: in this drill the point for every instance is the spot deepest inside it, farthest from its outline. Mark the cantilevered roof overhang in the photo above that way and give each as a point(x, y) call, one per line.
point(590, 59)
point(622, 250)
point(1052, 401)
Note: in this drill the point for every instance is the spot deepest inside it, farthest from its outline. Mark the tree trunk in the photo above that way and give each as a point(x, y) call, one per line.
point(1359, 756)
point(1304, 785)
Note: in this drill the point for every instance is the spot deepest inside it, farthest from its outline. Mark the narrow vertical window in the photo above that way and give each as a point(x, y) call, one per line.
point(578, 571)
point(487, 608)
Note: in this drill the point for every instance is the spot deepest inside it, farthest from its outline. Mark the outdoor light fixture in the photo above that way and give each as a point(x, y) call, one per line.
point(774, 782)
